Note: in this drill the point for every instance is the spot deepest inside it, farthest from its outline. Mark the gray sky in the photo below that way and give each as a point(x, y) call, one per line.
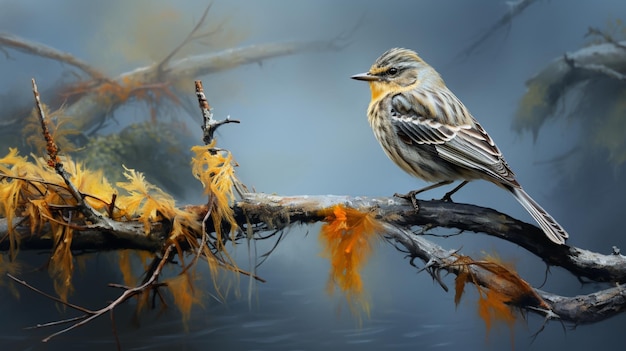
point(304, 131)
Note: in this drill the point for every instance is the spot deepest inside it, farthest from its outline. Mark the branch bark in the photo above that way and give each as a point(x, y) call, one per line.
point(261, 212)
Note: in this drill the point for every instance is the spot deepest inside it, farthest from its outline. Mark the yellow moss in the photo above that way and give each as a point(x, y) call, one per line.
point(41, 189)
point(216, 172)
point(33, 196)
point(61, 263)
point(144, 201)
point(126, 267)
point(61, 128)
point(9, 267)
point(185, 295)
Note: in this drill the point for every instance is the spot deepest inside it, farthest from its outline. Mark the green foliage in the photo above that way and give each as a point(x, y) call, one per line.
point(155, 148)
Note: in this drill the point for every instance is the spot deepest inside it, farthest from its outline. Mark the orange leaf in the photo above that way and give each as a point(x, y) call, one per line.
point(492, 307)
point(459, 286)
point(347, 240)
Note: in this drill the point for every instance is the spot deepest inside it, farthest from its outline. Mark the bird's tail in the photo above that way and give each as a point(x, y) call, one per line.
point(550, 227)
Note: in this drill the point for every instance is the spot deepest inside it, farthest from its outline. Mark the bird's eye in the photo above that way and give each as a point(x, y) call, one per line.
point(392, 71)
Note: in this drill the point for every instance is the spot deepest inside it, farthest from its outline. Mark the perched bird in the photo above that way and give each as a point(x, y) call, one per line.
point(427, 131)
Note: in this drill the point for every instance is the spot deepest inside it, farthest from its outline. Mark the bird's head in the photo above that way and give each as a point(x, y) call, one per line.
point(398, 69)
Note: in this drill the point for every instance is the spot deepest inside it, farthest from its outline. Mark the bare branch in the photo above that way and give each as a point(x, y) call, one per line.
point(38, 49)
point(210, 125)
point(95, 217)
point(594, 68)
point(606, 37)
point(578, 309)
point(151, 283)
point(262, 212)
point(186, 41)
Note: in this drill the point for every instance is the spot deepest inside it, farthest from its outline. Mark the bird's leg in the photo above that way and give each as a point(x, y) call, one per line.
point(448, 196)
point(411, 194)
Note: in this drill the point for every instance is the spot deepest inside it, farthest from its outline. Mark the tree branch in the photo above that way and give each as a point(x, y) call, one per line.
point(263, 212)
point(37, 49)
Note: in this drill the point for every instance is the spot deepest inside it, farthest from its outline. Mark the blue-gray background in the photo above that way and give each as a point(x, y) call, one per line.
point(304, 131)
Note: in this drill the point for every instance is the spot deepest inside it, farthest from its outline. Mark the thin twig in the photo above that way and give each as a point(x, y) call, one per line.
point(203, 235)
point(52, 324)
point(605, 36)
point(51, 146)
point(90, 315)
point(209, 125)
point(55, 162)
point(187, 40)
point(54, 298)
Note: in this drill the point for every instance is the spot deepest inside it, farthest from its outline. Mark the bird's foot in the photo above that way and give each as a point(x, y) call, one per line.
point(410, 196)
point(448, 196)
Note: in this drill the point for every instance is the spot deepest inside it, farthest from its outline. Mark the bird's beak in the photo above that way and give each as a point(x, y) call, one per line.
point(366, 77)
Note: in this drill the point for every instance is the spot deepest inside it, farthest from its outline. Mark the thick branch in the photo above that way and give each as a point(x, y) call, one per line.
point(582, 263)
point(582, 309)
point(265, 212)
point(261, 212)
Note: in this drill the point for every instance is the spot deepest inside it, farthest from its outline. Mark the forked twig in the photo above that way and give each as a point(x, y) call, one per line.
point(191, 36)
point(90, 315)
point(209, 125)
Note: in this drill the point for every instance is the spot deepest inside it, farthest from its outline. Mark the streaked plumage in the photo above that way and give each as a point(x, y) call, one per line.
point(427, 131)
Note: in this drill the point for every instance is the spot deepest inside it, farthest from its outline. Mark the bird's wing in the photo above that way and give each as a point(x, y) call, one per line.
point(465, 143)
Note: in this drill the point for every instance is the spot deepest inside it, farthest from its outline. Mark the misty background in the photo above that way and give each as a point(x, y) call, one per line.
point(304, 131)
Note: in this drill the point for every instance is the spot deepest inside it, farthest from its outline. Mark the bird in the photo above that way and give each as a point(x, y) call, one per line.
point(429, 133)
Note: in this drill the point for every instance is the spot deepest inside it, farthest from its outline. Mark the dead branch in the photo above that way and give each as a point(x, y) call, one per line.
point(594, 68)
point(193, 35)
point(89, 315)
point(605, 36)
point(262, 212)
point(96, 218)
point(590, 308)
point(37, 49)
point(209, 125)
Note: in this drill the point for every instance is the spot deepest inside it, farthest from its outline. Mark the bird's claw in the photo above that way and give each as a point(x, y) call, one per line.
point(410, 196)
